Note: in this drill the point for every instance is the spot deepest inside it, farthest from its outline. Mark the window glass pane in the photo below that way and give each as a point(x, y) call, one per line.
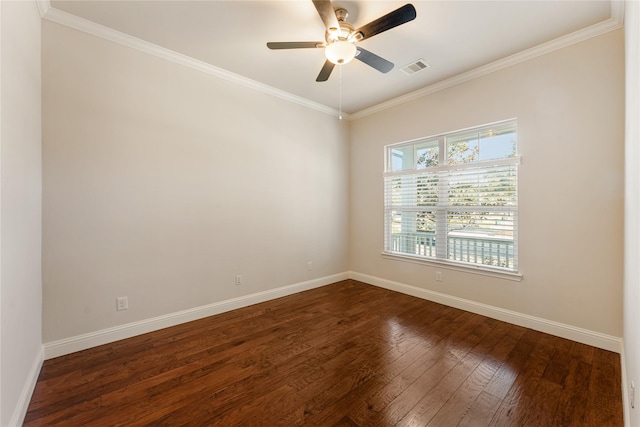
point(463, 148)
point(420, 155)
point(426, 222)
point(498, 142)
point(482, 238)
point(482, 224)
point(494, 142)
point(412, 232)
point(427, 154)
point(401, 158)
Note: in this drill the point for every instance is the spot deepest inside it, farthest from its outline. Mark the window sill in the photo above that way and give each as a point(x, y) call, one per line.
point(466, 268)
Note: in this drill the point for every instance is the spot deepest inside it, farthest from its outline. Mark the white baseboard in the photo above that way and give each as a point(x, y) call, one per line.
point(105, 336)
point(20, 411)
point(585, 336)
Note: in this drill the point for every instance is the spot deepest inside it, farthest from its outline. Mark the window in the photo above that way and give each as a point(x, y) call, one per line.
point(453, 198)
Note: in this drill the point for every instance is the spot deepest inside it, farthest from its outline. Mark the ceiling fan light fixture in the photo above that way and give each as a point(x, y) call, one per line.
point(340, 52)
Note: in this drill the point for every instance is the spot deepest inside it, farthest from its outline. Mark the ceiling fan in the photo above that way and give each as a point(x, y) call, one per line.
point(341, 38)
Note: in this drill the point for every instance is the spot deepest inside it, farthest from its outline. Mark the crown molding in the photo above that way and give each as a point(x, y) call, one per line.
point(72, 21)
point(89, 27)
point(617, 11)
point(611, 24)
point(43, 7)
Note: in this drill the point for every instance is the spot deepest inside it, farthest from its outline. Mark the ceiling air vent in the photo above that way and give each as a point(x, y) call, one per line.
point(414, 67)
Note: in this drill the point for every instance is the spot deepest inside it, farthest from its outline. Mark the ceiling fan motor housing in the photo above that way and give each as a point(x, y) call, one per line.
point(344, 32)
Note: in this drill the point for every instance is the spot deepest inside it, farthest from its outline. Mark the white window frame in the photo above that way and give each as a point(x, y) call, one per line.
point(442, 209)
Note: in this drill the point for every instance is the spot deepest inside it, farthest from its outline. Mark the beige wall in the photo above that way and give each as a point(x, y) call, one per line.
point(162, 183)
point(21, 201)
point(570, 110)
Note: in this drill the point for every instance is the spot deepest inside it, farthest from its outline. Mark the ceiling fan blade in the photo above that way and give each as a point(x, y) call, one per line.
point(327, 68)
point(398, 17)
point(294, 45)
point(373, 60)
point(327, 14)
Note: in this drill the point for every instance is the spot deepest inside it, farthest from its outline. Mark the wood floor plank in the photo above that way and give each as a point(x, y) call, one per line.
point(424, 412)
point(604, 408)
point(434, 367)
point(526, 364)
point(328, 372)
point(373, 410)
point(346, 354)
point(352, 321)
point(459, 401)
point(361, 398)
point(481, 411)
point(204, 376)
point(484, 406)
point(547, 396)
point(572, 404)
point(309, 400)
point(501, 384)
point(119, 363)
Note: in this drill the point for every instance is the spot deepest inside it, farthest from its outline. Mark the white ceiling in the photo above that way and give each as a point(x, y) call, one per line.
point(454, 37)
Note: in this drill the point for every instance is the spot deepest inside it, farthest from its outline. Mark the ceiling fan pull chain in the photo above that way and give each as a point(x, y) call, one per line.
point(340, 91)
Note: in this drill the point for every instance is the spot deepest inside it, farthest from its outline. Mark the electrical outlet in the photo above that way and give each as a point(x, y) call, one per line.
point(309, 266)
point(438, 276)
point(122, 303)
point(238, 280)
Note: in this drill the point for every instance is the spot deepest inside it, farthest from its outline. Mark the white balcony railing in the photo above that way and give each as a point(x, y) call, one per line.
point(481, 249)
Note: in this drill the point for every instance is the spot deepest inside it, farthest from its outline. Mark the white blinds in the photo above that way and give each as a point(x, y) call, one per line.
point(464, 213)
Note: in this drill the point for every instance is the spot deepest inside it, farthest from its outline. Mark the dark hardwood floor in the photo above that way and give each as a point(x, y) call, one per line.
point(347, 354)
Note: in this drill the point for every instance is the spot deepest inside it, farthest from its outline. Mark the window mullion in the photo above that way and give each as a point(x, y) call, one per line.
point(443, 202)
